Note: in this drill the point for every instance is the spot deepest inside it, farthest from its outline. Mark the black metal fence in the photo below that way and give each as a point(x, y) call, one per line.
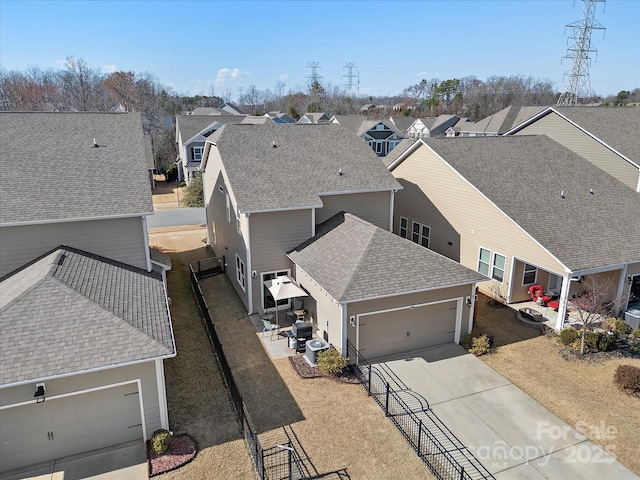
point(445, 455)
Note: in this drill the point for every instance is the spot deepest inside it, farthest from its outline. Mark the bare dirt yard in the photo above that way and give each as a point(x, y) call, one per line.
point(339, 427)
point(579, 389)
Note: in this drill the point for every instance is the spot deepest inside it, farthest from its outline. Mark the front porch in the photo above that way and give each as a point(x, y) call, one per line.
point(549, 315)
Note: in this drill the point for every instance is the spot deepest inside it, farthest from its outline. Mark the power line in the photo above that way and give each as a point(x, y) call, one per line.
point(352, 83)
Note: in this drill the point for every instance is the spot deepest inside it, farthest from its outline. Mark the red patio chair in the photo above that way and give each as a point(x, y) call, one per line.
point(537, 292)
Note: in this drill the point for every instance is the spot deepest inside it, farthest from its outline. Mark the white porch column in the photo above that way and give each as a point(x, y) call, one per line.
point(562, 308)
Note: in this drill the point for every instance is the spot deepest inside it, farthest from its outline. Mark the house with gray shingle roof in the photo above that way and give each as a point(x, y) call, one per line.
point(86, 184)
point(498, 123)
point(606, 136)
point(84, 329)
point(314, 117)
point(431, 126)
point(522, 209)
point(270, 188)
point(397, 295)
point(381, 135)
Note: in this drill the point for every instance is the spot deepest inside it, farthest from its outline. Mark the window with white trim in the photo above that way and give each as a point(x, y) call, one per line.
point(228, 208)
point(213, 233)
point(529, 275)
point(404, 225)
point(240, 273)
point(420, 234)
point(268, 303)
point(238, 224)
point(484, 261)
point(196, 152)
point(499, 262)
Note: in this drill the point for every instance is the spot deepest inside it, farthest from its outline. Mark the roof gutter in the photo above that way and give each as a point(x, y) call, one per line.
point(78, 219)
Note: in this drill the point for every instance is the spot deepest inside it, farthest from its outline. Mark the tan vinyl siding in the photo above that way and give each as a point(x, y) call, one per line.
point(273, 234)
point(584, 145)
point(476, 220)
point(374, 207)
point(146, 372)
point(120, 239)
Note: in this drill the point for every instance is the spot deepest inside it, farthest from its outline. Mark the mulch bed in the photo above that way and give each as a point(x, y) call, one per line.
point(183, 449)
point(302, 367)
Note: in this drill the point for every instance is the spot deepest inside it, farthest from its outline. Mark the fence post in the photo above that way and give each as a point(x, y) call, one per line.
point(419, 437)
point(386, 402)
point(289, 451)
point(369, 386)
point(461, 472)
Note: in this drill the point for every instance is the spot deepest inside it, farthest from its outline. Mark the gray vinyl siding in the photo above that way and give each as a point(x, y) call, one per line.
point(324, 311)
point(273, 234)
point(400, 301)
point(146, 372)
point(121, 239)
point(374, 207)
point(478, 222)
point(584, 145)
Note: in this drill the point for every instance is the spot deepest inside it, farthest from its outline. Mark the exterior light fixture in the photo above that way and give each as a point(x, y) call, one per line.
point(40, 391)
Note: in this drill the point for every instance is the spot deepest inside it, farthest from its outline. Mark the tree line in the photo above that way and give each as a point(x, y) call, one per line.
point(78, 86)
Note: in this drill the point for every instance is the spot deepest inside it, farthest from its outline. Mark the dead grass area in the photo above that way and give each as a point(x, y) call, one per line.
point(166, 192)
point(197, 398)
point(578, 389)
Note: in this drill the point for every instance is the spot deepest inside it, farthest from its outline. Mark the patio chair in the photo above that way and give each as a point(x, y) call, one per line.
point(268, 326)
point(537, 294)
point(297, 306)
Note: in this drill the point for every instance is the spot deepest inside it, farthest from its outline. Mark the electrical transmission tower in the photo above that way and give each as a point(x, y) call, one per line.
point(579, 83)
point(352, 82)
point(314, 78)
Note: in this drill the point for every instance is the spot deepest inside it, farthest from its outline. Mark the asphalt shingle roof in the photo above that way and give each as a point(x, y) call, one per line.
point(305, 163)
point(71, 311)
point(355, 260)
point(524, 176)
point(52, 171)
point(190, 126)
point(618, 127)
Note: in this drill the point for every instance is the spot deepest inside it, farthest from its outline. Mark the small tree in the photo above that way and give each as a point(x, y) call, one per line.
point(194, 195)
point(595, 304)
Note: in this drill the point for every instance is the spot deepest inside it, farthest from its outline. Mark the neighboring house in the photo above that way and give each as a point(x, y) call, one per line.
point(381, 135)
point(191, 133)
point(85, 184)
point(269, 189)
point(93, 333)
point(83, 306)
point(319, 117)
point(382, 293)
point(455, 130)
point(431, 126)
point(606, 136)
point(207, 111)
point(230, 109)
point(523, 210)
point(280, 117)
point(401, 123)
point(499, 123)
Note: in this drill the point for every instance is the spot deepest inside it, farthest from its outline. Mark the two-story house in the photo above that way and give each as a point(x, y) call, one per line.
point(273, 190)
point(84, 312)
point(381, 135)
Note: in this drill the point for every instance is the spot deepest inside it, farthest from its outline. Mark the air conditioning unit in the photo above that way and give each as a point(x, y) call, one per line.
point(314, 347)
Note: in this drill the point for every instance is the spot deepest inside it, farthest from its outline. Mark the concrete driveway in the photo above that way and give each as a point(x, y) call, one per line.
point(510, 433)
point(122, 462)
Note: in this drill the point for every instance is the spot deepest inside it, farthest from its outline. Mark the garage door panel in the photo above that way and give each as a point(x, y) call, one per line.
point(59, 427)
point(407, 329)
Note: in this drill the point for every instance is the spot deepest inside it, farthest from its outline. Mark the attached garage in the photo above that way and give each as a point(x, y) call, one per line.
point(407, 328)
point(69, 424)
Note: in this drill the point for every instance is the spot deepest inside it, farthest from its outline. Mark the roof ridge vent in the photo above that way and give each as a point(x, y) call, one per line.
point(95, 144)
point(274, 144)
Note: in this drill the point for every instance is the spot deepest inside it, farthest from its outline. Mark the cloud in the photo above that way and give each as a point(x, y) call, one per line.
point(225, 75)
point(283, 76)
point(109, 68)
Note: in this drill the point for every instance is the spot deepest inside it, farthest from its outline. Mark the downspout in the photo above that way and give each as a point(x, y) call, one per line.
point(343, 309)
point(564, 296)
point(391, 205)
point(145, 242)
point(249, 271)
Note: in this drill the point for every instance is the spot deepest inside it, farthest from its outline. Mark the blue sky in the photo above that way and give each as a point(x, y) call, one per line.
point(200, 47)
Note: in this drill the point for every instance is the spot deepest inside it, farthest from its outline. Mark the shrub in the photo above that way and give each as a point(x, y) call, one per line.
point(627, 378)
point(606, 341)
point(331, 362)
point(609, 323)
point(160, 441)
point(467, 341)
point(621, 327)
point(182, 184)
point(594, 341)
point(636, 333)
point(480, 345)
point(569, 335)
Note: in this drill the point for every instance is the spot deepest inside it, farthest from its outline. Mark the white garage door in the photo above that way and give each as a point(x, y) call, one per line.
point(407, 329)
point(65, 426)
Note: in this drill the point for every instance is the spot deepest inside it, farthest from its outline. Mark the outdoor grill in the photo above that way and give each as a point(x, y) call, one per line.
point(302, 331)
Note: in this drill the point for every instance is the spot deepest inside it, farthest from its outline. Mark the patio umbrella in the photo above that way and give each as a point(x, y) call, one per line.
point(283, 287)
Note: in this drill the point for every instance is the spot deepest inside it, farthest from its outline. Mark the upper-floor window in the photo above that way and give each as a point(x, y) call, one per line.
point(228, 208)
point(484, 261)
point(196, 152)
point(420, 234)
